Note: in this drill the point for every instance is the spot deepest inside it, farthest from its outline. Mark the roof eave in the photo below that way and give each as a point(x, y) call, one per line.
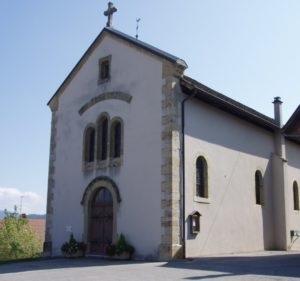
point(242, 112)
point(76, 66)
point(290, 123)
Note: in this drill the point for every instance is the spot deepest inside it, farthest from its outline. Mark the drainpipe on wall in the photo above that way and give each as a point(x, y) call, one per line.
point(183, 167)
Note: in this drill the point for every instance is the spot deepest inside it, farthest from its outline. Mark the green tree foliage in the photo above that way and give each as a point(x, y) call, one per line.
point(17, 239)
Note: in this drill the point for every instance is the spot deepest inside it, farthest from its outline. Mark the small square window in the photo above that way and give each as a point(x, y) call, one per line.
point(104, 69)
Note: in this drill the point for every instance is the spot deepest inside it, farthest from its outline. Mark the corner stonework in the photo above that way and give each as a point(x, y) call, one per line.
point(170, 246)
point(51, 185)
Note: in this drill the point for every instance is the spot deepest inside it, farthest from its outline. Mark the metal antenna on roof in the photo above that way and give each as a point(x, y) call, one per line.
point(137, 28)
point(21, 201)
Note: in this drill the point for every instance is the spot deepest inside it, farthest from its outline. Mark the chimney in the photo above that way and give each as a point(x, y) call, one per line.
point(277, 111)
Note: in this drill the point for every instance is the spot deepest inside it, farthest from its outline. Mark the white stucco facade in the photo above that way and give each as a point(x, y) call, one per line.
point(153, 182)
point(138, 214)
point(234, 150)
point(293, 175)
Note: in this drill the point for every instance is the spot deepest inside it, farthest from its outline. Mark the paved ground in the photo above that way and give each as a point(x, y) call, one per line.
point(260, 266)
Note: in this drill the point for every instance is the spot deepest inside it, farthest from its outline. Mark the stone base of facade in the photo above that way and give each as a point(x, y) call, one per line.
point(170, 252)
point(47, 249)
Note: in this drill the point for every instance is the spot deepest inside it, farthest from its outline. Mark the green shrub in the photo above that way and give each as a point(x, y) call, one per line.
point(120, 247)
point(17, 239)
point(72, 246)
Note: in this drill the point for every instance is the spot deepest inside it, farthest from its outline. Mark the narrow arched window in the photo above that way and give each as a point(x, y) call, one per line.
point(102, 138)
point(201, 178)
point(296, 196)
point(259, 188)
point(115, 139)
point(89, 145)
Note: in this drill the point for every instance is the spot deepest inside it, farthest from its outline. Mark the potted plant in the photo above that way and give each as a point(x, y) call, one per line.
point(72, 248)
point(121, 250)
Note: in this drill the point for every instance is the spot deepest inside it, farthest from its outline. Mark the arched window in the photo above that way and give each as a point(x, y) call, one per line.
point(201, 178)
point(115, 139)
point(102, 138)
point(89, 145)
point(296, 196)
point(259, 188)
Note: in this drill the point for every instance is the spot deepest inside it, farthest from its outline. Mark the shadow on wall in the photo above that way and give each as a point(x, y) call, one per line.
point(217, 127)
point(267, 212)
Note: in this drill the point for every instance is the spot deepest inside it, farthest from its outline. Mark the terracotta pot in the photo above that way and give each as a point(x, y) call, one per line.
point(123, 256)
point(78, 254)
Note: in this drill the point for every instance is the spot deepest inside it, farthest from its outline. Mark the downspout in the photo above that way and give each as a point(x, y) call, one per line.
point(183, 166)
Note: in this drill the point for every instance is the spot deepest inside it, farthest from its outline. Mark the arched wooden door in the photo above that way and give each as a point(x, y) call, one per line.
point(100, 221)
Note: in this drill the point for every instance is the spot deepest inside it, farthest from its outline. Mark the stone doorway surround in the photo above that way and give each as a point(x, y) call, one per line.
point(100, 221)
point(92, 188)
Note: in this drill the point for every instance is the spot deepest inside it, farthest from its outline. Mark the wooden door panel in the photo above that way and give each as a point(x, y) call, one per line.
point(101, 222)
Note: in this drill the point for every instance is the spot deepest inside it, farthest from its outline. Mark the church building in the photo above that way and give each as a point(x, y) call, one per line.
point(139, 148)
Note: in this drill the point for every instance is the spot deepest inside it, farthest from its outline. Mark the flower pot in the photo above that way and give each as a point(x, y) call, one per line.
point(123, 256)
point(77, 254)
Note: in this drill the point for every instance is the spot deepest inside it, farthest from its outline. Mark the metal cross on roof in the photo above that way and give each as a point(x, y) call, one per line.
point(109, 13)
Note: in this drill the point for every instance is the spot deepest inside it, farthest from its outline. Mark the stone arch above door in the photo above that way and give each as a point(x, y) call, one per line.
point(101, 181)
point(93, 187)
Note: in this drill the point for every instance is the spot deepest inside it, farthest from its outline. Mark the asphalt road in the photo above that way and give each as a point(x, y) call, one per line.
point(259, 266)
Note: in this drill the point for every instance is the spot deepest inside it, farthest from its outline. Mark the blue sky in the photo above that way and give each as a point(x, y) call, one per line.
point(246, 49)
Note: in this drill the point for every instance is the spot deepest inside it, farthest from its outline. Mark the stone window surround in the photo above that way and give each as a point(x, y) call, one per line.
point(85, 147)
point(109, 161)
point(199, 199)
point(113, 122)
point(259, 187)
point(101, 61)
point(99, 139)
point(296, 204)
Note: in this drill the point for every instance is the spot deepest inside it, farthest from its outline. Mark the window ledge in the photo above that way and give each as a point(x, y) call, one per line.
point(259, 205)
point(102, 164)
point(202, 200)
point(102, 81)
point(87, 166)
point(115, 162)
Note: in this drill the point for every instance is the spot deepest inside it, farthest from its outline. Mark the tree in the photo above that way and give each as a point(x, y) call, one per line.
point(17, 239)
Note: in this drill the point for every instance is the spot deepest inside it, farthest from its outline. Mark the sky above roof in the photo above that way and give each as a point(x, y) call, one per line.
point(247, 50)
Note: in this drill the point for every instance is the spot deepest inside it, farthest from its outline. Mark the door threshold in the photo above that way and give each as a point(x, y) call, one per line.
point(97, 256)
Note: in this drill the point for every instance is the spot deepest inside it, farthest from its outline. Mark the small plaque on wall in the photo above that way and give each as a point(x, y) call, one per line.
point(194, 222)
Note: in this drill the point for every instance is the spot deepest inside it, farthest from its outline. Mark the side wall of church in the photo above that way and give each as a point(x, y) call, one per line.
point(138, 177)
point(234, 150)
point(293, 175)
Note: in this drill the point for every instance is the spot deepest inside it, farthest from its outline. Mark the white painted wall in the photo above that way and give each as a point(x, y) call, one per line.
point(234, 149)
point(139, 177)
point(293, 174)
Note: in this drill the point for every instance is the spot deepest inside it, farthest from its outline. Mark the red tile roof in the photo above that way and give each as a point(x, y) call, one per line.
point(38, 225)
